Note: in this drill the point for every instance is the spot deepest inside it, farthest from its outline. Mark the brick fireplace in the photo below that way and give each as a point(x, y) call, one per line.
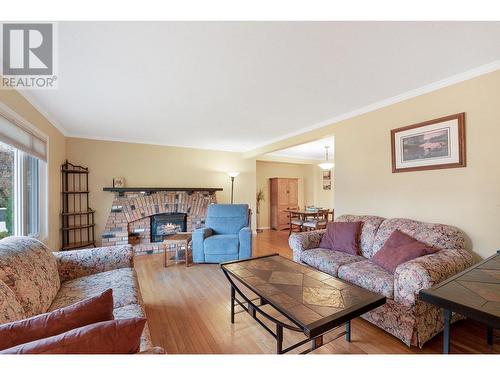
point(135, 211)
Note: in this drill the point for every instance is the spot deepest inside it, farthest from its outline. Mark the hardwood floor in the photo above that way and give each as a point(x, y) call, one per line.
point(188, 312)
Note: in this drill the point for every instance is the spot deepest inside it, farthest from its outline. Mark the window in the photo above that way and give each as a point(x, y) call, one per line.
point(22, 170)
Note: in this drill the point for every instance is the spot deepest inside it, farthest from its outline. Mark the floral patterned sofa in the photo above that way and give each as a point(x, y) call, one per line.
point(34, 280)
point(404, 315)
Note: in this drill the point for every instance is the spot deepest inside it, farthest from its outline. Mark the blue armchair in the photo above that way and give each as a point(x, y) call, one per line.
point(226, 235)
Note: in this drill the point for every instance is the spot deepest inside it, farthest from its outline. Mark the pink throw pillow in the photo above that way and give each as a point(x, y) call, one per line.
point(342, 236)
point(400, 248)
point(90, 310)
point(112, 337)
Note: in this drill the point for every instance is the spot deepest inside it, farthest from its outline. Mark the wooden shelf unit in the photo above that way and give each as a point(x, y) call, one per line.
point(77, 218)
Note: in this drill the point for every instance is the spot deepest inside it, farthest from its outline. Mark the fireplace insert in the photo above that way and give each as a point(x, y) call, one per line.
point(164, 225)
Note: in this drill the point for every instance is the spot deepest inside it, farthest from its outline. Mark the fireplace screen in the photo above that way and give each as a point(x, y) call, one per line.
point(164, 225)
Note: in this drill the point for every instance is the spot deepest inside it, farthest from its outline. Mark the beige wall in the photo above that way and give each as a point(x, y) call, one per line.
point(56, 157)
point(468, 198)
point(310, 185)
point(159, 166)
point(322, 198)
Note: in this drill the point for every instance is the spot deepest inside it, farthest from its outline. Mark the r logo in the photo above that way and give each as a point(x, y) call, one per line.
point(27, 49)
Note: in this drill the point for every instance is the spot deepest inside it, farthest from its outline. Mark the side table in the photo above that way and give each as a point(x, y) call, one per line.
point(174, 242)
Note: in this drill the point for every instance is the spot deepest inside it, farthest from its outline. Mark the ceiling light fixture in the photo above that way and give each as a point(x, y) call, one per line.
point(326, 165)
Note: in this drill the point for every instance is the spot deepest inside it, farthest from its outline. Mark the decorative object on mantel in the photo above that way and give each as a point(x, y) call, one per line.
point(77, 217)
point(260, 197)
point(326, 165)
point(233, 175)
point(118, 182)
point(434, 144)
point(138, 215)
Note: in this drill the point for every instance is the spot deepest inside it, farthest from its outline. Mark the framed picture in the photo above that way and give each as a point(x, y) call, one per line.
point(327, 180)
point(118, 182)
point(434, 144)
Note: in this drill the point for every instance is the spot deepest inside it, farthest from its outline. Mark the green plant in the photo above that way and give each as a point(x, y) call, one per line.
point(4, 234)
point(260, 198)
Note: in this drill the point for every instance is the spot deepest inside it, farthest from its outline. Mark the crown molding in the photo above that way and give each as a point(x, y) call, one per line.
point(152, 143)
point(464, 76)
point(29, 98)
point(452, 80)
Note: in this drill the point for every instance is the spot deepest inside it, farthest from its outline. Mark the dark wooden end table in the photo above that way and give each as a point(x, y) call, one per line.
point(314, 302)
point(474, 293)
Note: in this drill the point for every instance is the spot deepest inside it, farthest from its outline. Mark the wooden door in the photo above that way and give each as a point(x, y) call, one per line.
point(284, 195)
point(293, 192)
point(274, 202)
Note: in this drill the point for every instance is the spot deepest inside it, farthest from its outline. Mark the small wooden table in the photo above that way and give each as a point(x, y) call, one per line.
point(178, 240)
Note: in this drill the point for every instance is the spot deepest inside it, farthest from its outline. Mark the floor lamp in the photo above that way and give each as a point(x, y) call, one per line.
point(232, 175)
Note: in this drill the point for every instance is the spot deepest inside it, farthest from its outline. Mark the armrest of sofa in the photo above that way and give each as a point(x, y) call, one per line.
point(302, 241)
point(77, 263)
point(245, 240)
point(198, 237)
point(424, 272)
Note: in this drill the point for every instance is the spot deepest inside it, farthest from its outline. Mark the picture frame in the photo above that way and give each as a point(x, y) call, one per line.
point(327, 180)
point(118, 182)
point(433, 144)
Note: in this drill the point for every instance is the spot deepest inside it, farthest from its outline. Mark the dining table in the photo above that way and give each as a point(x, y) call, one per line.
point(303, 214)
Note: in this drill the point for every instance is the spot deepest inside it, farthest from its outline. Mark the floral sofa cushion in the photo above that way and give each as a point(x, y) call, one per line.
point(438, 235)
point(10, 308)
point(77, 263)
point(427, 271)
point(123, 281)
point(368, 230)
point(328, 261)
point(368, 275)
point(28, 268)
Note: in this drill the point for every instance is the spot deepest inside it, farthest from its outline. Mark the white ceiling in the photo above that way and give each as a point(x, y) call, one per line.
point(239, 85)
point(312, 150)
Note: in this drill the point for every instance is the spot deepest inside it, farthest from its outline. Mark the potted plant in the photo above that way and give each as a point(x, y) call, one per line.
point(260, 198)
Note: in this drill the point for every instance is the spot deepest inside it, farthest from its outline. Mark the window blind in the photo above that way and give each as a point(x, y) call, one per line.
point(18, 136)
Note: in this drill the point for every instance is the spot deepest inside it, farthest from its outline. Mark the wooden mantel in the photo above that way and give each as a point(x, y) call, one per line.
point(150, 190)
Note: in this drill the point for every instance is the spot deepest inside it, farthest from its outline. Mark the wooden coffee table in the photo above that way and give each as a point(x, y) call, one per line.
point(174, 242)
point(314, 302)
point(474, 293)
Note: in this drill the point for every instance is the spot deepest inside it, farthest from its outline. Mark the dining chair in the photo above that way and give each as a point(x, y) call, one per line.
point(296, 221)
point(318, 221)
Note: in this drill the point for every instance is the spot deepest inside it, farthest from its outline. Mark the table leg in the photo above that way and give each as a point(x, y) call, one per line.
point(164, 256)
point(186, 254)
point(446, 333)
point(232, 304)
point(317, 342)
point(348, 331)
point(489, 336)
point(279, 339)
